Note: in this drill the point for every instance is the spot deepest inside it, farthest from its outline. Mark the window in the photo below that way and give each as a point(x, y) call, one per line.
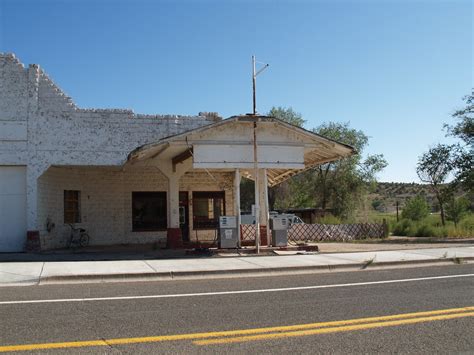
point(149, 211)
point(72, 206)
point(207, 208)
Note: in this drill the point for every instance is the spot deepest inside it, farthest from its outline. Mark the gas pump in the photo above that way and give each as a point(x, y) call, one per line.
point(279, 226)
point(228, 236)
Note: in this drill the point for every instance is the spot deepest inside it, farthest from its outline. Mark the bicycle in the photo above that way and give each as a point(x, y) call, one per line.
point(78, 237)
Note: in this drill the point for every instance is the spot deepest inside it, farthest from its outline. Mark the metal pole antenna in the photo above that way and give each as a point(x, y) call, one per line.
point(254, 84)
point(255, 161)
point(257, 192)
point(255, 156)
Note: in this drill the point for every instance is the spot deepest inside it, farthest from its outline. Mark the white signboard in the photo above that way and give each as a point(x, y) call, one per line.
point(241, 156)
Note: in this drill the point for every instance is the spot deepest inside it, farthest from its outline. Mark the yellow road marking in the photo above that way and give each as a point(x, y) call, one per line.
point(300, 328)
point(331, 330)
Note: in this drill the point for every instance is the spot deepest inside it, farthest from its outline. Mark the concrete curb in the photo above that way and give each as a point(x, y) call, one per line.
point(234, 273)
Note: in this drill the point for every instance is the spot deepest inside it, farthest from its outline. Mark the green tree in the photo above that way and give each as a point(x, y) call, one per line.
point(247, 194)
point(464, 128)
point(434, 168)
point(295, 118)
point(415, 209)
point(287, 115)
point(340, 185)
point(456, 208)
point(463, 153)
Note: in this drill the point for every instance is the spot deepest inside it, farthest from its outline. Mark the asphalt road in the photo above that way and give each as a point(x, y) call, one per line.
point(176, 309)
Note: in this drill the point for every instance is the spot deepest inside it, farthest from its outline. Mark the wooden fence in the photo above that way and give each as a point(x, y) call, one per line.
point(322, 232)
point(247, 234)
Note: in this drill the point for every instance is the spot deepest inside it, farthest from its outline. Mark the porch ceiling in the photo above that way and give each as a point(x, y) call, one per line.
point(238, 131)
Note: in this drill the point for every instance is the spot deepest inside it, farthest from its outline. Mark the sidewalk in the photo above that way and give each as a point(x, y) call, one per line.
point(38, 272)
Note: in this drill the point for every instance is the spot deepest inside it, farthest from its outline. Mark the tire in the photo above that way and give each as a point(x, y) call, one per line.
point(84, 240)
point(69, 243)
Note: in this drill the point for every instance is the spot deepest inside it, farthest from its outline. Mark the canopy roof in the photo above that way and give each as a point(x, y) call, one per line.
point(235, 134)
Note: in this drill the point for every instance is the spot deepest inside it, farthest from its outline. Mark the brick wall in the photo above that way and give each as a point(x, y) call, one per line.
point(40, 127)
point(203, 181)
point(13, 111)
point(106, 202)
point(60, 133)
point(13, 88)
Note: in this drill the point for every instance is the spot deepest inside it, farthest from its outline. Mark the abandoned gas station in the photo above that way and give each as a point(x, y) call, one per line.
point(264, 149)
point(128, 178)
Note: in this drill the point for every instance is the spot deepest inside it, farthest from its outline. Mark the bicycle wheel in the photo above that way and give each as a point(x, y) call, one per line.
point(69, 243)
point(84, 240)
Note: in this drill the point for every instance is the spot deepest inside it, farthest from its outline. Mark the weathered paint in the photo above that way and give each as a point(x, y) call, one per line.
point(222, 155)
point(41, 127)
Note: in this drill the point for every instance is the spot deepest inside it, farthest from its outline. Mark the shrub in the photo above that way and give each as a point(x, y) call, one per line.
point(425, 230)
point(415, 209)
point(467, 223)
point(403, 227)
point(456, 208)
point(456, 232)
point(377, 205)
point(443, 232)
point(329, 219)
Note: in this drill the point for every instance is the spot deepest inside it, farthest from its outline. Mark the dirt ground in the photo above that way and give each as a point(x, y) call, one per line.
point(394, 243)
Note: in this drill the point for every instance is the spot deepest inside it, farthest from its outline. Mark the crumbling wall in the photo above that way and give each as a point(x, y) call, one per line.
point(41, 122)
point(42, 128)
point(14, 101)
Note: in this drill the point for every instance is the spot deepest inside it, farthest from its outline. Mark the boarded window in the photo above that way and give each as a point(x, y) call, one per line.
point(149, 211)
point(207, 208)
point(72, 206)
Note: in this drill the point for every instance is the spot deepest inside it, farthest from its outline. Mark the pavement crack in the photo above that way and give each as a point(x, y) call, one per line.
point(111, 346)
point(151, 267)
point(106, 342)
point(41, 272)
point(249, 262)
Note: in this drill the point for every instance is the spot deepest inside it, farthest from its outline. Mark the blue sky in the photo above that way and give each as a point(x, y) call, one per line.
point(394, 69)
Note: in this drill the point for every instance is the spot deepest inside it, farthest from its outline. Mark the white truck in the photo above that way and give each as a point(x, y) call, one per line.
point(292, 219)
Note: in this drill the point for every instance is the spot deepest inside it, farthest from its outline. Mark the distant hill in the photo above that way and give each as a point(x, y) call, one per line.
point(386, 195)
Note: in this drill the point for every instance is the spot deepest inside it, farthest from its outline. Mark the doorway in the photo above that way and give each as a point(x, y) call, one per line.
point(184, 215)
point(12, 208)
